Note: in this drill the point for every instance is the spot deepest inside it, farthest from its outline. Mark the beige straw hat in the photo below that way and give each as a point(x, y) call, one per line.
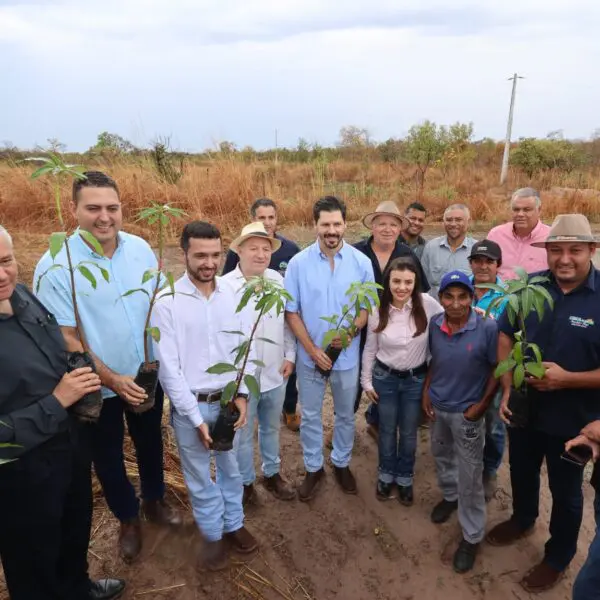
point(254, 229)
point(387, 208)
point(569, 228)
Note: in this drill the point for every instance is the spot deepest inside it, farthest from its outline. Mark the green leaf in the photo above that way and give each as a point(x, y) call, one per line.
point(328, 337)
point(536, 351)
point(171, 280)
point(248, 291)
point(492, 286)
point(535, 369)
point(345, 337)
point(92, 241)
point(148, 275)
point(504, 367)
point(41, 171)
point(538, 303)
point(252, 385)
point(513, 301)
point(267, 340)
point(518, 376)
point(522, 274)
point(538, 279)
point(221, 368)
point(526, 302)
point(87, 274)
point(154, 333)
point(130, 292)
point(510, 311)
point(544, 292)
point(332, 320)
point(228, 391)
point(39, 281)
point(241, 351)
point(234, 332)
point(57, 241)
point(518, 352)
point(258, 363)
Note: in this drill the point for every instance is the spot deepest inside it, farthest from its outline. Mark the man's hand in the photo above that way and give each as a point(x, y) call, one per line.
point(555, 378)
point(241, 405)
point(287, 368)
point(503, 411)
point(475, 412)
point(372, 396)
point(126, 388)
point(204, 435)
point(336, 343)
point(427, 407)
point(582, 440)
point(75, 385)
point(592, 431)
point(321, 359)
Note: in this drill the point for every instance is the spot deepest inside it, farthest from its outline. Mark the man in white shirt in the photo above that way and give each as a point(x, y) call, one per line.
point(254, 248)
point(191, 325)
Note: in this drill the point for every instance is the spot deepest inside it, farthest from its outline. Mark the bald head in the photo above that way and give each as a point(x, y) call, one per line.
point(6, 236)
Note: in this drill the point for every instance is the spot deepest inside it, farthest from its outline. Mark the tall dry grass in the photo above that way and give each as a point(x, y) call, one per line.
point(222, 190)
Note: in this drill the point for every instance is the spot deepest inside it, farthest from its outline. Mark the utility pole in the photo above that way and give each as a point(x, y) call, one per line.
point(504, 172)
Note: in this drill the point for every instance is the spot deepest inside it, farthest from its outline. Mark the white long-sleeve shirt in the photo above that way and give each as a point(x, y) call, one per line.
point(192, 340)
point(272, 327)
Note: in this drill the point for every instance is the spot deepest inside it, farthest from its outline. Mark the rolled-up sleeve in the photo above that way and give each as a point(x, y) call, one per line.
point(51, 287)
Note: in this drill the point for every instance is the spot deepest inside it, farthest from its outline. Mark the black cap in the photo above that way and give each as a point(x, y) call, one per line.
point(488, 249)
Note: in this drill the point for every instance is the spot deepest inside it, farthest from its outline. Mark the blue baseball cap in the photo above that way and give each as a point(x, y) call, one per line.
point(456, 278)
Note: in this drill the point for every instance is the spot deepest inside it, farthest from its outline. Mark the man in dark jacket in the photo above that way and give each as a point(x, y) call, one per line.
point(45, 465)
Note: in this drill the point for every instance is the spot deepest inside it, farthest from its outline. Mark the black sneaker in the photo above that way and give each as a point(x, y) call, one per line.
point(443, 511)
point(464, 557)
point(405, 495)
point(384, 490)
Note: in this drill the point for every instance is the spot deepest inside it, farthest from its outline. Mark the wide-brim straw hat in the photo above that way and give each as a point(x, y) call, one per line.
point(387, 209)
point(573, 228)
point(254, 229)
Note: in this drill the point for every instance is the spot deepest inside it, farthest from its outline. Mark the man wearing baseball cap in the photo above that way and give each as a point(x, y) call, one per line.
point(459, 388)
point(485, 260)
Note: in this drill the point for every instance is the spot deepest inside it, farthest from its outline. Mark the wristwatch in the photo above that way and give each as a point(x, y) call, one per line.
point(244, 396)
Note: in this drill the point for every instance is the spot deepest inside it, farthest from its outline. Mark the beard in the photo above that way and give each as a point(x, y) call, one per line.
point(201, 275)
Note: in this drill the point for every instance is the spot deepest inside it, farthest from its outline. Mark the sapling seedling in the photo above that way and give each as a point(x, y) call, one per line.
point(266, 295)
point(88, 408)
point(158, 215)
point(523, 296)
point(360, 296)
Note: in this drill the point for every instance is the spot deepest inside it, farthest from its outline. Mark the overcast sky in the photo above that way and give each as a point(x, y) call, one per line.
point(204, 71)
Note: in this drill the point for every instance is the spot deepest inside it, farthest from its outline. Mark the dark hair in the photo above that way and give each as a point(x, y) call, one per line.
point(415, 206)
point(261, 202)
point(94, 179)
point(328, 204)
point(418, 311)
point(198, 230)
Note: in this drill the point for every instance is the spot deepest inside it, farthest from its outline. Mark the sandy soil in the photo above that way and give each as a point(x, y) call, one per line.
point(337, 546)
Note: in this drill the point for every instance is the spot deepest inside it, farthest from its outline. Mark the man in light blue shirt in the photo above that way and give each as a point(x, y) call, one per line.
point(114, 330)
point(318, 278)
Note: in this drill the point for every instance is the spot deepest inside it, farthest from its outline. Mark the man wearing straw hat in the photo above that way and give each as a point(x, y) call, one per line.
point(381, 247)
point(563, 402)
point(254, 248)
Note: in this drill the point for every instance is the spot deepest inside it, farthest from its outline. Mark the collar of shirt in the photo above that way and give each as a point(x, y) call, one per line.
point(589, 283)
point(421, 241)
point(444, 242)
point(76, 238)
point(539, 227)
point(190, 288)
point(342, 251)
point(406, 308)
point(440, 321)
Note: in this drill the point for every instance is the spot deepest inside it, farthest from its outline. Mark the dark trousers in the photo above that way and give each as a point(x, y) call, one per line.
point(291, 396)
point(107, 453)
point(527, 450)
point(587, 584)
point(45, 519)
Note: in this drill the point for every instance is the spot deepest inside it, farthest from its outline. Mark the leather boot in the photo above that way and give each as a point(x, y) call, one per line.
point(130, 539)
point(106, 589)
point(248, 494)
point(242, 541)
point(159, 512)
point(308, 488)
point(279, 487)
point(213, 556)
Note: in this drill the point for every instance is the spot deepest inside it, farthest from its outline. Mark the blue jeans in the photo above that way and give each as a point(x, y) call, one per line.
point(399, 410)
point(495, 437)
point(217, 505)
point(311, 387)
point(268, 410)
point(587, 584)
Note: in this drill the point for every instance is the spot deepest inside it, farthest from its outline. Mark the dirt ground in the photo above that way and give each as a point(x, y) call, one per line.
point(336, 546)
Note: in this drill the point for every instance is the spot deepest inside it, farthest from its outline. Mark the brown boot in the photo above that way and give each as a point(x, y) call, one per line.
point(242, 541)
point(248, 494)
point(343, 475)
point(541, 578)
point(213, 556)
point(279, 487)
point(309, 486)
point(292, 422)
point(130, 540)
point(507, 533)
point(159, 512)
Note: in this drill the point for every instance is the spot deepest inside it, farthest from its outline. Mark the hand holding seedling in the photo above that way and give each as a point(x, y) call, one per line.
point(204, 435)
point(126, 388)
point(555, 378)
point(287, 368)
point(592, 431)
point(372, 396)
point(75, 385)
point(321, 359)
point(241, 405)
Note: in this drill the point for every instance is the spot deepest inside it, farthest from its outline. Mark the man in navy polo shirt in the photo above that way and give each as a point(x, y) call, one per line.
point(563, 402)
point(458, 390)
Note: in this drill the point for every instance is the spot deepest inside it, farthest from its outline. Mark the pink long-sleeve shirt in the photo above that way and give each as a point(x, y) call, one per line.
point(517, 251)
point(395, 346)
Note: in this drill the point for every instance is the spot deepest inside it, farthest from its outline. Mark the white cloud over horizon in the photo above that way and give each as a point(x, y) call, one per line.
point(207, 70)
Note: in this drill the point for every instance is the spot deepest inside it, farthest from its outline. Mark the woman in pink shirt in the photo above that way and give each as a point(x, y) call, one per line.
point(394, 365)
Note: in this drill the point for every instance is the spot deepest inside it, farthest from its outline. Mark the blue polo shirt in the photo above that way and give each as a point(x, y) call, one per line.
point(461, 363)
point(113, 326)
point(569, 335)
point(318, 291)
point(487, 299)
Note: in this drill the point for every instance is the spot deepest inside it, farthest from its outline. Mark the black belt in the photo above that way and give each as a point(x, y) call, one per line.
point(420, 370)
point(209, 398)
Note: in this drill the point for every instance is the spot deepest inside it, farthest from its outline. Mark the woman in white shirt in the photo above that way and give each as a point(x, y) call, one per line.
point(394, 365)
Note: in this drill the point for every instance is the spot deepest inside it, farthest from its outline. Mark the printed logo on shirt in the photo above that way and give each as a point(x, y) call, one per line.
point(579, 322)
point(283, 267)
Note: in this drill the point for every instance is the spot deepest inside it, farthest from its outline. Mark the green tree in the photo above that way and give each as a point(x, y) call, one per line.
point(112, 143)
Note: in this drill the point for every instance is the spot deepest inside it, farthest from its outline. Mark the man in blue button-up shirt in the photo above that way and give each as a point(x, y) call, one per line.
point(114, 329)
point(318, 278)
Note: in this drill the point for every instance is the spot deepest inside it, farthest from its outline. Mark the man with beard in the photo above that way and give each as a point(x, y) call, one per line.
point(448, 252)
point(45, 464)
point(317, 279)
point(114, 327)
point(192, 323)
point(415, 215)
point(562, 403)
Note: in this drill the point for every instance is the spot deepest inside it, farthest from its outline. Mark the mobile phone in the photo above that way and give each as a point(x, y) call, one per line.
point(578, 455)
